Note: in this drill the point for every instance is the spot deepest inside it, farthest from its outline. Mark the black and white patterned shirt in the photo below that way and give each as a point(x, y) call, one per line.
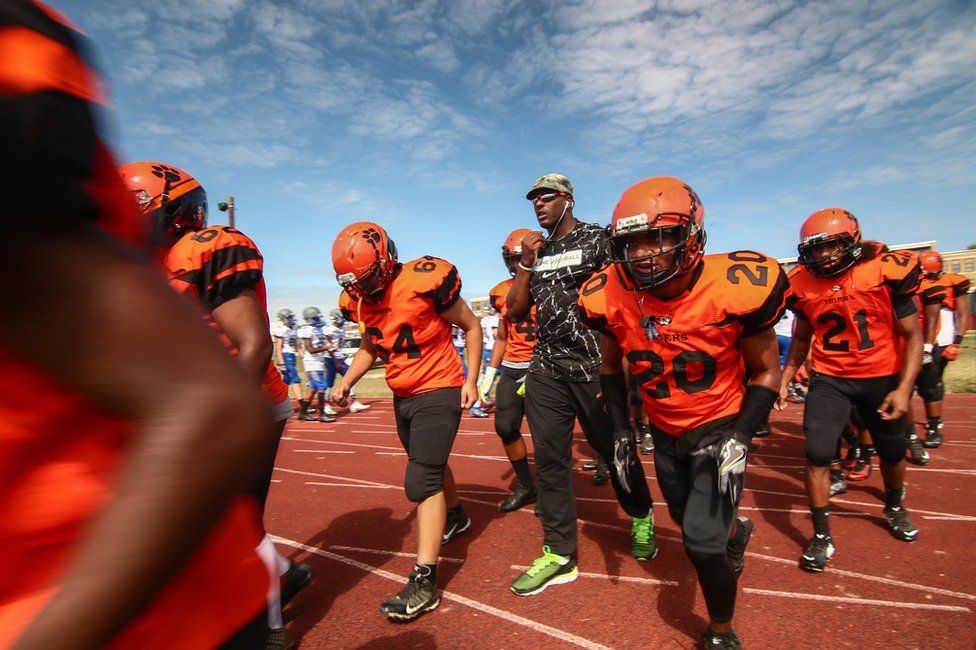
point(565, 348)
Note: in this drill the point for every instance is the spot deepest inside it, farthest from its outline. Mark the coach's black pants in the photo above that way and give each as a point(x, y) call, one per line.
point(551, 406)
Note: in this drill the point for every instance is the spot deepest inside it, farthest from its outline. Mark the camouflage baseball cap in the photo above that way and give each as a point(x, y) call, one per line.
point(555, 182)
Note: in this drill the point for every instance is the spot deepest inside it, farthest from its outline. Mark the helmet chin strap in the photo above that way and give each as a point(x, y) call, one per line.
point(558, 221)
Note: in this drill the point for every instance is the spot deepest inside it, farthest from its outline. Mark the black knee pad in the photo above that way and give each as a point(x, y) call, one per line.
point(422, 481)
point(932, 392)
point(706, 561)
point(892, 448)
point(819, 455)
point(508, 437)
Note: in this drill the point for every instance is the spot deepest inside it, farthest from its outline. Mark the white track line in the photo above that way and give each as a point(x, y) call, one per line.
point(474, 604)
point(350, 485)
point(380, 551)
point(854, 601)
point(337, 478)
point(770, 558)
point(870, 578)
point(320, 451)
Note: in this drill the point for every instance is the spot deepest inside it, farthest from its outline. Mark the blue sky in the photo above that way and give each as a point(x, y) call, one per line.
point(434, 117)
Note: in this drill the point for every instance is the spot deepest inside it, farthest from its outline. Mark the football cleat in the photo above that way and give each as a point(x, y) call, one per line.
point(720, 640)
point(477, 412)
point(900, 525)
point(917, 454)
point(297, 577)
point(861, 470)
point(763, 430)
point(933, 436)
point(280, 639)
point(818, 552)
point(646, 442)
point(418, 596)
point(837, 483)
point(602, 474)
point(358, 406)
point(457, 522)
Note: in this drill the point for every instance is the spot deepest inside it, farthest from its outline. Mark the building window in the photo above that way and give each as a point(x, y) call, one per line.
point(955, 267)
point(968, 265)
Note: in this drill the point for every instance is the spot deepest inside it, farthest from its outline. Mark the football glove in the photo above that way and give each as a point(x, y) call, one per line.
point(730, 458)
point(624, 459)
point(951, 352)
point(521, 389)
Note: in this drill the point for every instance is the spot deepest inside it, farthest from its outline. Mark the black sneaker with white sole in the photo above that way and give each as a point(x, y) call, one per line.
point(295, 579)
point(818, 552)
point(719, 640)
point(523, 495)
point(900, 525)
point(457, 522)
point(418, 596)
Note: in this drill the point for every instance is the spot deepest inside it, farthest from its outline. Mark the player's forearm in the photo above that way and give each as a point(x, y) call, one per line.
point(361, 363)
point(795, 358)
point(162, 513)
point(962, 318)
point(497, 352)
point(518, 301)
point(254, 356)
point(473, 348)
point(912, 359)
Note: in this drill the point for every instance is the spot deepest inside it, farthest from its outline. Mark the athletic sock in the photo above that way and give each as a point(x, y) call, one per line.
point(303, 406)
point(820, 524)
point(429, 570)
point(894, 497)
point(935, 423)
point(522, 471)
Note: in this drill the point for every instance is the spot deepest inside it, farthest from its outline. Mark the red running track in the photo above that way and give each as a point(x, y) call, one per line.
point(337, 504)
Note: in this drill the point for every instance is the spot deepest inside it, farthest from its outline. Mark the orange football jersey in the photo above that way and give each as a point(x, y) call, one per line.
point(684, 352)
point(852, 314)
point(930, 292)
point(60, 461)
point(214, 265)
point(406, 329)
point(956, 286)
point(520, 337)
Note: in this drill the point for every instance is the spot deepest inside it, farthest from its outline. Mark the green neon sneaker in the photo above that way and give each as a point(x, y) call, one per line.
point(643, 543)
point(548, 570)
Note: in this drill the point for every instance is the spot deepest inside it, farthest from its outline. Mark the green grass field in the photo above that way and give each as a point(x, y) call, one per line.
point(960, 375)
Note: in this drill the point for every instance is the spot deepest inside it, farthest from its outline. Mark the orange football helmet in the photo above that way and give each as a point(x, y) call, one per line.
point(365, 260)
point(931, 262)
point(174, 201)
point(653, 206)
point(827, 225)
point(512, 248)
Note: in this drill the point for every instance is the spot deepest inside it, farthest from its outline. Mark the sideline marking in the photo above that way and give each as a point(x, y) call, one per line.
point(320, 451)
point(662, 535)
point(380, 551)
point(352, 485)
point(855, 601)
point(473, 604)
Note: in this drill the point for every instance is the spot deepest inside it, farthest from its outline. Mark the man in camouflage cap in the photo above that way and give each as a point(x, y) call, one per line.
point(554, 182)
point(563, 383)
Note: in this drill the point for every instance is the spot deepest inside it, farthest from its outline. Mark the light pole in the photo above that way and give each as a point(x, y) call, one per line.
point(229, 209)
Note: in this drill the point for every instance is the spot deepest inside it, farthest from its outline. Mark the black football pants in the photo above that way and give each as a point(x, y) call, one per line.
point(551, 407)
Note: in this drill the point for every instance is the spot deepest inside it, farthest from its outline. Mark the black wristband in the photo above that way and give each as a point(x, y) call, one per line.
point(614, 389)
point(756, 404)
point(957, 339)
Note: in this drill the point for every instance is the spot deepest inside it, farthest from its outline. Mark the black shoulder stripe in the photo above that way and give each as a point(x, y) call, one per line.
point(770, 311)
point(907, 285)
point(933, 295)
point(221, 260)
point(27, 14)
point(228, 288)
point(447, 292)
point(961, 288)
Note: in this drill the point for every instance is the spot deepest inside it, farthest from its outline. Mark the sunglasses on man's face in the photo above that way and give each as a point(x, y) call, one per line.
point(547, 197)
